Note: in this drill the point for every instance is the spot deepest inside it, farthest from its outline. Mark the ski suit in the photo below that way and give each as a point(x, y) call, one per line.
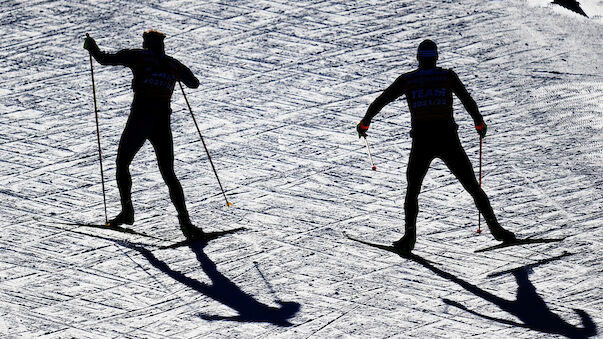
point(154, 78)
point(434, 134)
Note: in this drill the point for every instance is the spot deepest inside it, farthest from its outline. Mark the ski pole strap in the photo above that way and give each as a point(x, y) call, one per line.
point(482, 129)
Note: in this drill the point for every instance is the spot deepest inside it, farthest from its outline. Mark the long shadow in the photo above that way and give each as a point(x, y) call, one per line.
point(225, 291)
point(528, 306)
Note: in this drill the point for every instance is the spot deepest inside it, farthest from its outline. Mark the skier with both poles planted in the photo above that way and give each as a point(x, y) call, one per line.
point(154, 77)
point(428, 92)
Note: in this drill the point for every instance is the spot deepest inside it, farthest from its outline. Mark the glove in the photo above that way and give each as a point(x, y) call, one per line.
point(361, 129)
point(482, 129)
point(89, 43)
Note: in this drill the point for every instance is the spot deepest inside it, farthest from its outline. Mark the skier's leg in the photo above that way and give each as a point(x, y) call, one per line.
point(418, 164)
point(162, 142)
point(164, 149)
point(458, 162)
point(131, 140)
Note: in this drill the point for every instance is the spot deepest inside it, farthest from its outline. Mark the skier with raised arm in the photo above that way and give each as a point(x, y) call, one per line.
point(428, 91)
point(154, 78)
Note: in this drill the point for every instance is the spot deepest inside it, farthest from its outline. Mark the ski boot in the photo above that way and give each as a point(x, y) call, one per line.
point(189, 230)
point(406, 244)
point(500, 233)
point(126, 216)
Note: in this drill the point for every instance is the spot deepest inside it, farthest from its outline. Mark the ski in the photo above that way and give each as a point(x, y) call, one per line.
point(206, 238)
point(112, 228)
point(518, 242)
point(388, 248)
point(124, 242)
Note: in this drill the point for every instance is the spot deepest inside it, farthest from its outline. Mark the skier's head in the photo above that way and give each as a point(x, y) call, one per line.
point(153, 41)
point(427, 54)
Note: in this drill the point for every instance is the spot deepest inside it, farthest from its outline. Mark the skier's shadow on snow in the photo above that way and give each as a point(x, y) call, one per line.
point(528, 306)
point(225, 291)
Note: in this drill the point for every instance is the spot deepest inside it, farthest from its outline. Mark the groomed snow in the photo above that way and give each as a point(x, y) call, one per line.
point(283, 84)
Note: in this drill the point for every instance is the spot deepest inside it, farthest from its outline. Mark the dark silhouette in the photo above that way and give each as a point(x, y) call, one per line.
point(225, 291)
point(572, 5)
point(154, 77)
point(528, 306)
point(221, 289)
point(429, 92)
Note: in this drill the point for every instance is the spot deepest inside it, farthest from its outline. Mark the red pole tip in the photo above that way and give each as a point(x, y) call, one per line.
point(479, 231)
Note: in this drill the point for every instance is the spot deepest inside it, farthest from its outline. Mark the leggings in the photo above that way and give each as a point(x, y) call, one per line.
point(148, 122)
point(445, 145)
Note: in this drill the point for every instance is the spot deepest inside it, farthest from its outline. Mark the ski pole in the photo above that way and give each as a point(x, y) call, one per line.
point(100, 152)
point(368, 149)
point(204, 146)
point(479, 215)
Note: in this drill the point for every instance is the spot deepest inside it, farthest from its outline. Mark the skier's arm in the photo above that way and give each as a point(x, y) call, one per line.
point(185, 75)
point(123, 57)
point(390, 94)
point(461, 92)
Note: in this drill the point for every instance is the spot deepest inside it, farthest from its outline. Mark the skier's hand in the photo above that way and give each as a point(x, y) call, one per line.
point(482, 129)
point(361, 129)
point(89, 43)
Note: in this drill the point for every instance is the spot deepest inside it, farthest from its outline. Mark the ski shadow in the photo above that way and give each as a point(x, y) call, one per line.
point(528, 306)
point(225, 291)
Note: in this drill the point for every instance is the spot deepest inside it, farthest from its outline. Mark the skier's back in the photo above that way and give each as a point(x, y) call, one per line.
point(428, 91)
point(154, 77)
point(154, 72)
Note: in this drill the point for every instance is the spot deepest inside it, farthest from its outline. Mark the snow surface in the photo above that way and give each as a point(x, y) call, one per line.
point(283, 84)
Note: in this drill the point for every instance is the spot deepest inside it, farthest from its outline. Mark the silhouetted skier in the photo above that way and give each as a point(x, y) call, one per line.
point(154, 77)
point(428, 92)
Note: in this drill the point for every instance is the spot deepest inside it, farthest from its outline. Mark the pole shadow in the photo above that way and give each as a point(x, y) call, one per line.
point(225, 291)
point(528, 306)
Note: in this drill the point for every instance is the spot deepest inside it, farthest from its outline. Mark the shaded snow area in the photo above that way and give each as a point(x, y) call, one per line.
point(283, 85)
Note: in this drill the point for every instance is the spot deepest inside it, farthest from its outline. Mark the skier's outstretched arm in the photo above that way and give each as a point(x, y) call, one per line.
point(186, 75)
point(461, 92)
point(123, 57)
point(394, 91)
